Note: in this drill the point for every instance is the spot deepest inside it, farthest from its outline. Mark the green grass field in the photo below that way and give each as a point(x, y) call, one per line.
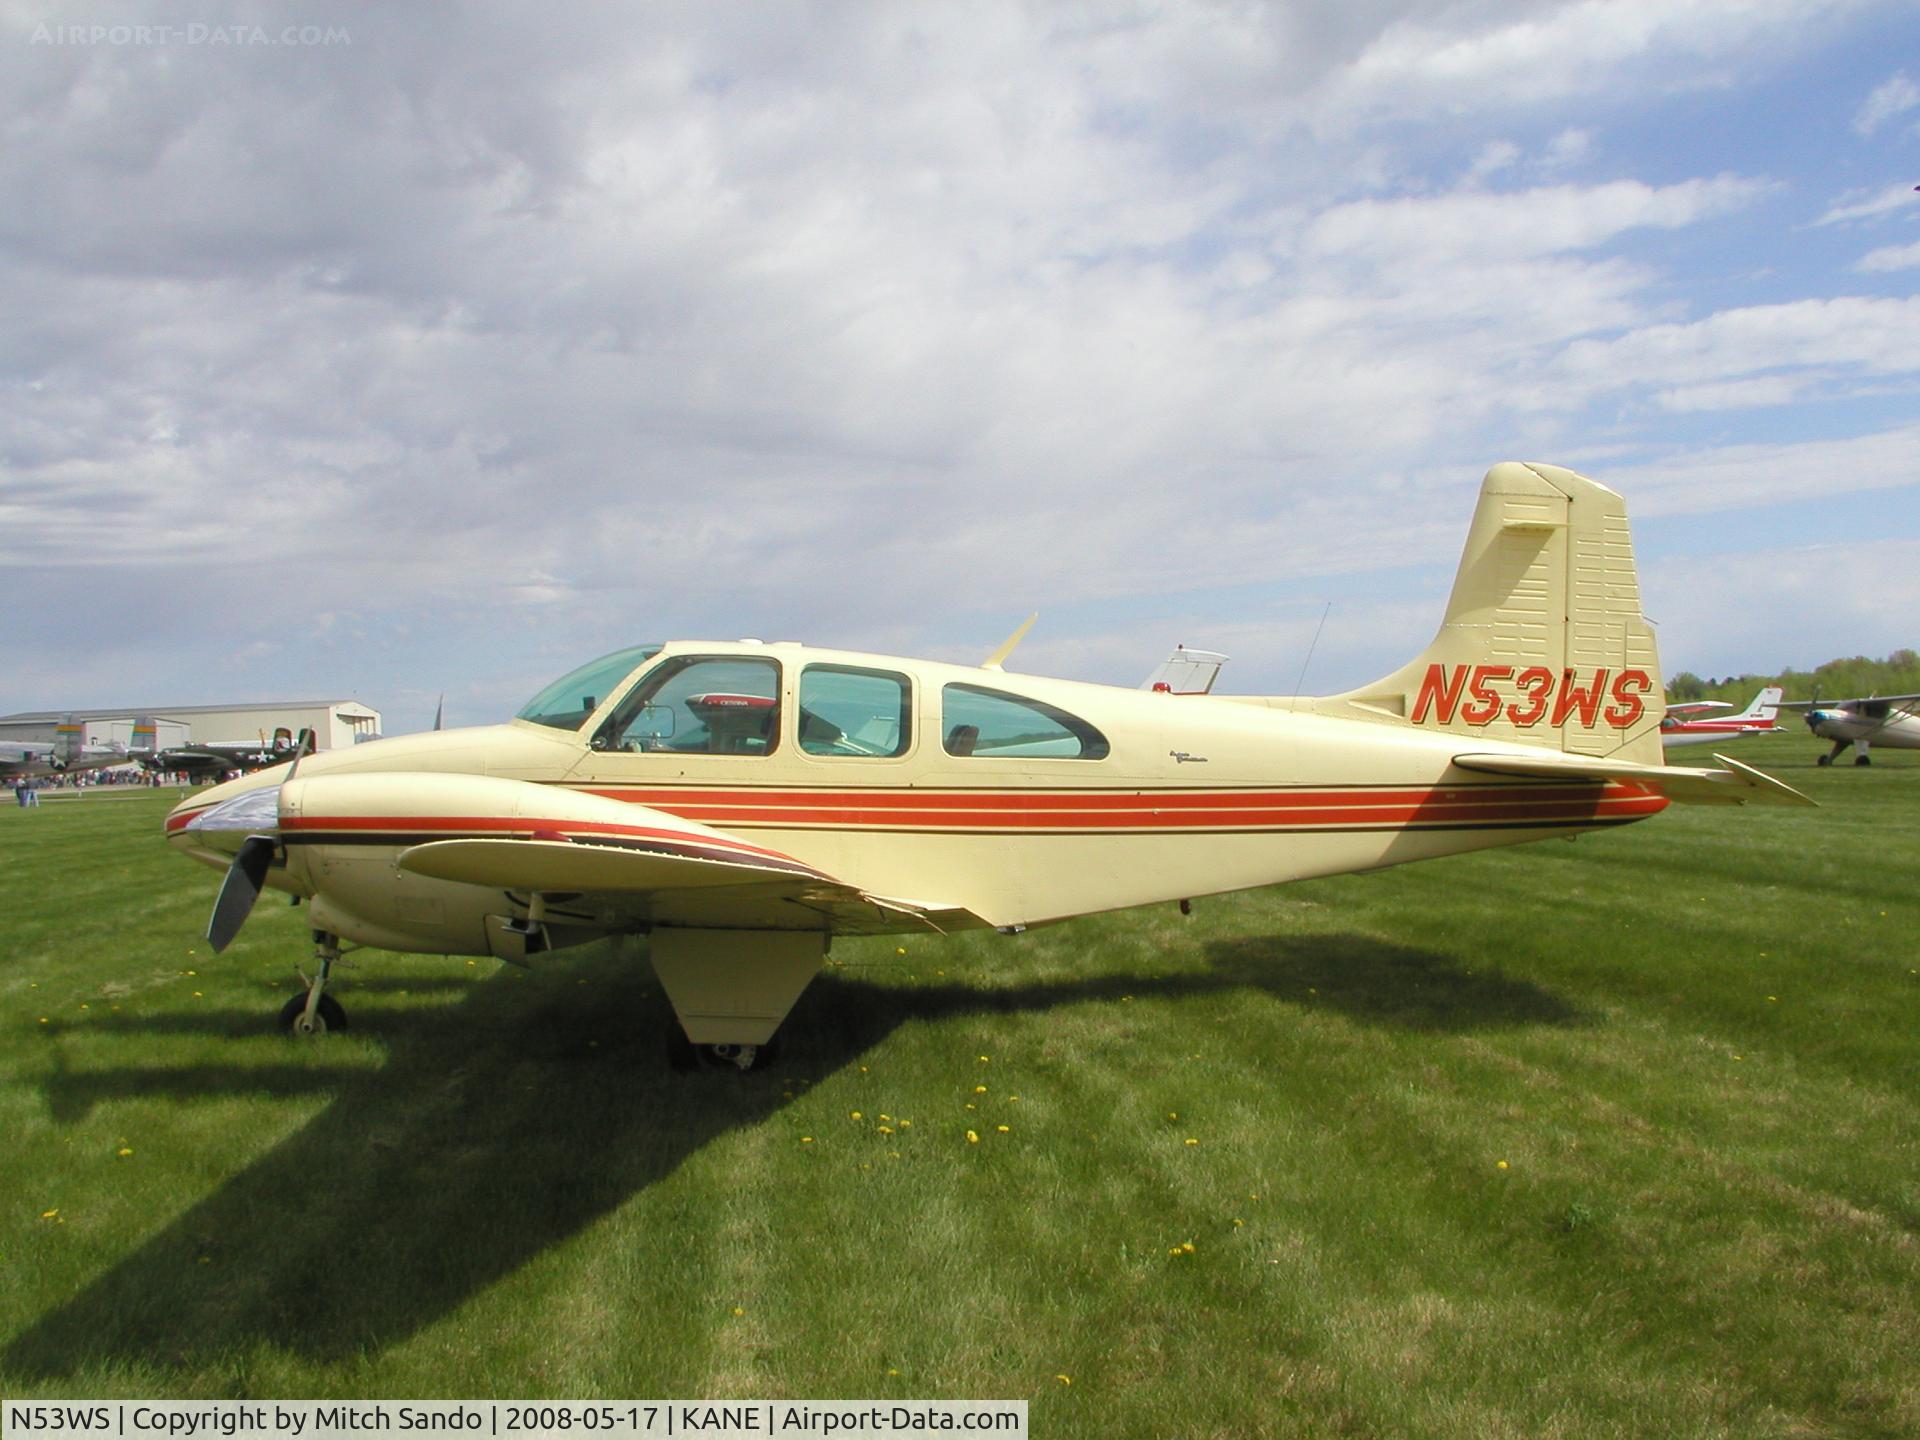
point(1612, 1138)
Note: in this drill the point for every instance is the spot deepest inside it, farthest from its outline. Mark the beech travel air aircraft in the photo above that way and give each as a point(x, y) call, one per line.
point(1693, 723)
point(743, 803)
point(1876, 720)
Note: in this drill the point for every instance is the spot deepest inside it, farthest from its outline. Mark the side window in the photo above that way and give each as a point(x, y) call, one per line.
point(699, 705)
point(978, 721)
point(847, 711)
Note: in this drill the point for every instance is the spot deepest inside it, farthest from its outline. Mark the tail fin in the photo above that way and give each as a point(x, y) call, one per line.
point(146, 736)
point(1543, 641)
point(1765, 706)
point(69, 738)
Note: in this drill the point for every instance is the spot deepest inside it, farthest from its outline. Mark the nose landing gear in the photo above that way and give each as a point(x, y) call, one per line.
point(316, 1012)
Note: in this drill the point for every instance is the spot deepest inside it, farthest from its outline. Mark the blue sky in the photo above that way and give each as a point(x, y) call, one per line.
point(424, 352)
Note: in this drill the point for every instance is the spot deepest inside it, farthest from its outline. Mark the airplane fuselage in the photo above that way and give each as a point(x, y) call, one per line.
point(1076, 798)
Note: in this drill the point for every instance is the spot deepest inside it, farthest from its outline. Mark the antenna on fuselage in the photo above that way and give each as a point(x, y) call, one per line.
point(1312, 645)
point(998, 659)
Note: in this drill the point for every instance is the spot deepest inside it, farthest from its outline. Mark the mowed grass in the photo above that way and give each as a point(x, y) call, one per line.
point(1616, 1137)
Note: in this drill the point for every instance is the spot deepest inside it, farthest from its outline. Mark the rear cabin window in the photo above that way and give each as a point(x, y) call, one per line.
point(700, 705)
point(976, 721)
point(849, 711)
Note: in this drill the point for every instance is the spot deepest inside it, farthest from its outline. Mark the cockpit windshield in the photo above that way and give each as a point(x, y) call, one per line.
point(568, 701)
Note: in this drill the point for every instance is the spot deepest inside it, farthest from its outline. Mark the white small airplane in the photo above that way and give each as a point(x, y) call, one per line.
point(743, 803)
point(1888, 720)
point(1693, 722)
point(1186, 672)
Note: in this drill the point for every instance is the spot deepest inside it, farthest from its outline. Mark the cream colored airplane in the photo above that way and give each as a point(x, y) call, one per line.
point(743, 803)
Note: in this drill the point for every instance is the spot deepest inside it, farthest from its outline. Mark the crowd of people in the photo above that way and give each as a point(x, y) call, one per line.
point(27, 788)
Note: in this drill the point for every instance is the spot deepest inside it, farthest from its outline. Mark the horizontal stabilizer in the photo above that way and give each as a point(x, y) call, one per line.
point(1737, 784)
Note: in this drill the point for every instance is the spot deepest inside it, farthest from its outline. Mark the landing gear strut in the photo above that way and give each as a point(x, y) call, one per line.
point(683, 1055)
point(316, 1012)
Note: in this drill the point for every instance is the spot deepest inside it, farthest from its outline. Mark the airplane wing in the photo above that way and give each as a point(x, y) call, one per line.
point(672, 880)
point(1849, 704)
point(1698, 707)
point(594, 860)
point(1736, 784)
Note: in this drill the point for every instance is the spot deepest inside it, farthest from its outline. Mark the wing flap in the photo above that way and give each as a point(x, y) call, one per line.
point(1736, 784)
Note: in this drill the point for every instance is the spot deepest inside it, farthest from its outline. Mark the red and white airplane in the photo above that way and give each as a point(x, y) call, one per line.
point(1694, 722)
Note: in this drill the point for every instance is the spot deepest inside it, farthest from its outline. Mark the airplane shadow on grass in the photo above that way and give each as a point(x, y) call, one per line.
point(511, 1121)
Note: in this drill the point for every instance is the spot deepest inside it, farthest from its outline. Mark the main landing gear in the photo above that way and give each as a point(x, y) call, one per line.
point(316, 1012)
point(1839, 748)
point(683, 1055)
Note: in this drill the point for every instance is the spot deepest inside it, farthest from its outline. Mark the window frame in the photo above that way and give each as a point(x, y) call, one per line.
point(1094, 745)
point(626, 709)
point(909, 726)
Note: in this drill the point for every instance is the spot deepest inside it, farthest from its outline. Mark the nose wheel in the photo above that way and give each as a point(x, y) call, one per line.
point(327, 1015)
point(316, 1012)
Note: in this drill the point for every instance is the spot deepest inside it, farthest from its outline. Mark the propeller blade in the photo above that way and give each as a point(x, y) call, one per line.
point(239, 890)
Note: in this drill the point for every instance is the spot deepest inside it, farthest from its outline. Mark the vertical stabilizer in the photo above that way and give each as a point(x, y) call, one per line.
point(1543, 641)
point(69, 738)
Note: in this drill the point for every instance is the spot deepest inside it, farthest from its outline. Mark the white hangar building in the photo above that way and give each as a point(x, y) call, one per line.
point(336, 724)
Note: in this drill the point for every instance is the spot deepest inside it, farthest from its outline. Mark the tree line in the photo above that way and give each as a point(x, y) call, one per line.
point(1898, 674)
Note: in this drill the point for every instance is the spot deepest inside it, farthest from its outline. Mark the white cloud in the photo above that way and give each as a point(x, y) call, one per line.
point(1752, 476)
point(1893, 96)
point(1890, 257)
point(1864, 206)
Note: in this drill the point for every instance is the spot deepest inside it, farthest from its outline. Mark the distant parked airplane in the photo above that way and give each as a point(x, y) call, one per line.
point(1688, 723)
point(1186, 672)
point(65, 756)
point(216, 759)
point(1878, 719)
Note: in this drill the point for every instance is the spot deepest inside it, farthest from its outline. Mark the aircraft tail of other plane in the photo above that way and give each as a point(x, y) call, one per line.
point(1765, 705)
point(146, 736)
point(69, 739)
point(1543, 642)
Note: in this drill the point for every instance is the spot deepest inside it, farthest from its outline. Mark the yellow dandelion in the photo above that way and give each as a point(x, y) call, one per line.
point(885, 1129)
point(906, 1124)
point(50, 1214)
point(196, 995)
point(1173, 1114)
point(85, 1006)
point(124, 1150)
point(885, 1116)
point(44, 1020)
point(972, 1138)
point(863, 1069)
point(206, 1259)
point(854, 1115)
point(1064, 1379)
point(1191, 1141)
point(192, 972)
point(1012, 1099)
point(738, 1311)
point(979, 1089)
point(1500, 1165)
point(1238, 1223)
point(1187, 1246)
point(984, 1060)
point(893, 1372)
point(806, 1139)
point(899, 949)
point(1004, 1129)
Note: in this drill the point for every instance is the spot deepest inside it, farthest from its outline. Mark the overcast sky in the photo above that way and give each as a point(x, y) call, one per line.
point(424, 350)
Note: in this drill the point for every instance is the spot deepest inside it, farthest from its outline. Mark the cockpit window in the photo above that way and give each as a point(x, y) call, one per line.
point(699, 705)
point(568, 701)
point(991, 723)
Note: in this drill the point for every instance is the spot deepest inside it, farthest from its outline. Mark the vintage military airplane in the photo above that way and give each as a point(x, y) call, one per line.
point(213, 759)
point(742, 803)
point(1694, 723)
point(66, 755)
point(1888, 720)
